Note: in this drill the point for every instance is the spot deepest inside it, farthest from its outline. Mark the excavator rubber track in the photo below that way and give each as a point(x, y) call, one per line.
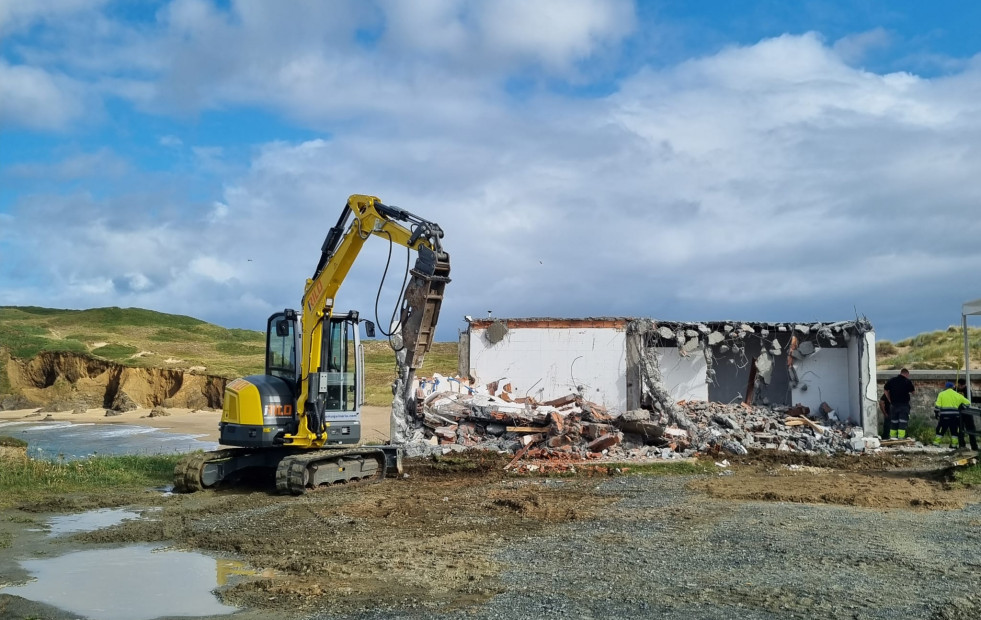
point(188, 471)
point(296, 471)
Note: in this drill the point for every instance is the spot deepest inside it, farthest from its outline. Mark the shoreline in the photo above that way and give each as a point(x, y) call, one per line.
point(201, 422)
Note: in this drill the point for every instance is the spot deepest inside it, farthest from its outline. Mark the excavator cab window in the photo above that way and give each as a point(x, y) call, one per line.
point(340, 366)
point(281, 345)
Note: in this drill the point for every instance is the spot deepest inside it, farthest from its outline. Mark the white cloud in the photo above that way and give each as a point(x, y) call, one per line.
point(24, 13)
point(853, 48)
point(102, 163)
point(555, 32)
point(212, 268)
point(37, 99)
point(772, 177)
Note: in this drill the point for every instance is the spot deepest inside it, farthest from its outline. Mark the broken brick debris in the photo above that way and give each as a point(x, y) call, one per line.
point(571, 428)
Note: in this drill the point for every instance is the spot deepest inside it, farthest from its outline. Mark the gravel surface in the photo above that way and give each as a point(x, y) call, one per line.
point(773, 536)
point(662, 551)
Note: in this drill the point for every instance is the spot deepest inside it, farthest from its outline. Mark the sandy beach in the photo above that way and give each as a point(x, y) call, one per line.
point(204, 422)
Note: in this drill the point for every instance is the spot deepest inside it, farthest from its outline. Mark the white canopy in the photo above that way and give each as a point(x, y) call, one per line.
point(972, 307)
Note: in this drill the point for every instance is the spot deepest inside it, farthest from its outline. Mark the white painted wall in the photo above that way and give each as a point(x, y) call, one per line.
point(547, 363)
point(683, 377)
point(823, 377)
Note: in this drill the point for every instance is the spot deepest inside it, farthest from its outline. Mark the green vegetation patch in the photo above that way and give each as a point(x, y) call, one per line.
point(24, 341)
point(115, 352)
point(938, 350)
point(22, 481)
point(238, 348)
point(12, 442)
point(6, 539)
point(169, 334)
point(113, 318)
point(5, 387)
point(969, 475)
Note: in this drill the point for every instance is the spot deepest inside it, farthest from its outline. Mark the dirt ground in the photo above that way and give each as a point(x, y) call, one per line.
point(458, 536)
point(431, 543)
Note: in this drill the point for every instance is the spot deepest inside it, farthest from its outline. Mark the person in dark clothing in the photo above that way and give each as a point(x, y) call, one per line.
point(898, 391)
point(886, 422)
point(967, 420)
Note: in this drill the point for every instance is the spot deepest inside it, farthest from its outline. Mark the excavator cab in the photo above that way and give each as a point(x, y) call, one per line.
point(336, 391)
point(262, 410)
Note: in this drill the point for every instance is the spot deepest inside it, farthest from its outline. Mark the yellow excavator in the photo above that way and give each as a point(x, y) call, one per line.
point(302, 418)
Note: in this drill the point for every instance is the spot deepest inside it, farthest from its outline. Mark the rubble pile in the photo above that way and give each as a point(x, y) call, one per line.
point(455, 415)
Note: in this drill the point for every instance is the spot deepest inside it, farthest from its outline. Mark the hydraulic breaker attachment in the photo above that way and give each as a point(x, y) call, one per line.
point(422, 301)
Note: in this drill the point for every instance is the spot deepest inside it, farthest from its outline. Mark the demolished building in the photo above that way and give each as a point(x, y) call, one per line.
point(591, 382)
point(623, 363)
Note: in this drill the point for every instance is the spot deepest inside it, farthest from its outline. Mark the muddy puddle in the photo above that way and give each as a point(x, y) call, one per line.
point(133, 582)
point(137, 582)
point(89, 521)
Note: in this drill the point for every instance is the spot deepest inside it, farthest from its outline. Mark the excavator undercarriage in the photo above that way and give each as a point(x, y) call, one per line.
point(296, 471)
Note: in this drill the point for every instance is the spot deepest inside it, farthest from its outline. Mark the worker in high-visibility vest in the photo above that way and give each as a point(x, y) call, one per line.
point(948, 409)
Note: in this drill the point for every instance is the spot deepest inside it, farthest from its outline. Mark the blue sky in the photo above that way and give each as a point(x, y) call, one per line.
point(750, 160)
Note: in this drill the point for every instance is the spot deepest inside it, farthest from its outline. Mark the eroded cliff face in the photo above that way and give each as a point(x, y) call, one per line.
point(61, 381)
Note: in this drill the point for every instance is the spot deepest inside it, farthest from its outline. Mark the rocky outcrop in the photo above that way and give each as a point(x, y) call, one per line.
point(61, 381)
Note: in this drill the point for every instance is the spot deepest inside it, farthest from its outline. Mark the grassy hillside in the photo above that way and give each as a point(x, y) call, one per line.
point(134, 337)
point(939, 350)
point(144, 338)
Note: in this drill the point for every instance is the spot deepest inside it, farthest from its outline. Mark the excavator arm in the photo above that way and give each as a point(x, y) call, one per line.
point(362, 217)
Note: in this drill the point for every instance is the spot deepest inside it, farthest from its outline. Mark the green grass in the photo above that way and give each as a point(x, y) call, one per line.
point(239, 348)
point(6, 538)
point(115, 352)
point(938, 350)
point(922, 429)
point(12, 442)
point(969, 475)
point(21, 480)
point(5, 387)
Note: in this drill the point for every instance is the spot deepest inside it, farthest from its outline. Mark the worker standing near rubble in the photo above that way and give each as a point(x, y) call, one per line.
point(947, 408)
point(898, 391)
point(967, 420)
